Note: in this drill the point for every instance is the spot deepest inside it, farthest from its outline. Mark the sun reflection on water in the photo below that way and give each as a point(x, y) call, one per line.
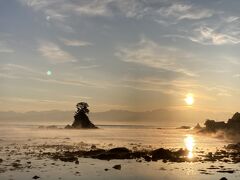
point(189, 144)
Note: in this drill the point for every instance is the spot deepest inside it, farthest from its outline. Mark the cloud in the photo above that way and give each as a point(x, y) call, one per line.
point(185, 11)
point(54, 53)
point(92, 8)
point(5, 49)
point(39, 4)
point(127, 8)
point(236, 75)
point(13, 67)
point(208, 36)
point(231, 19)
point(16, 71)
point(150, 54)
point(51, 14)
point(76, 43)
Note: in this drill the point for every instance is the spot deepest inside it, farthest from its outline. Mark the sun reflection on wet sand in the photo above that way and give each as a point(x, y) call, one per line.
point(189, 144)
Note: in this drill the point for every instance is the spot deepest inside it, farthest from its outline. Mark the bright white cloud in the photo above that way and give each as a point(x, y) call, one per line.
point(207, 35)
point(149, 53)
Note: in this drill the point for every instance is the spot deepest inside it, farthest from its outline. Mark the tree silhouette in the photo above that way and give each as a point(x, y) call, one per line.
point(82, 106)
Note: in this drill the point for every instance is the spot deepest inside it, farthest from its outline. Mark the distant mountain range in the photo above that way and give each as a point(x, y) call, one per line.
point(159, 117)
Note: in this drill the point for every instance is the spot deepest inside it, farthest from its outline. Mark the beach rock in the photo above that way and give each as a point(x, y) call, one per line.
point(35, 177)
point(113, 155)
point(184, 127)
point(147, 158)
point(76, 162)
point(118, 166)
point(67, 157)
point(226, 171)
point(119, 150)
point(16, 165)
point(161, 154)
point(223, 178)
point(94, 153)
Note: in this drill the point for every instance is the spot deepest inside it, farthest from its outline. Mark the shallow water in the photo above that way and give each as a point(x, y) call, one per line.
point(146, 136)
point(108, 136)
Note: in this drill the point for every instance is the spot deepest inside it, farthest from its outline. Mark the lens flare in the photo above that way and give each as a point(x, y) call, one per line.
point(49, 73)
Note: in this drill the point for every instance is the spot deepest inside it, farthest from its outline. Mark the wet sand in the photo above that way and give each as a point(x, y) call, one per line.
point(87, 161)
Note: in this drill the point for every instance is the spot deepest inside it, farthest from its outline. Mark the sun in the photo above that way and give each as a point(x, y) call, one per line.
point(189, 99)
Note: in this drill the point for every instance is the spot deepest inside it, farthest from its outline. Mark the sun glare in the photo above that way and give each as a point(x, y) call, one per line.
point(189, 144)
point(189, 99)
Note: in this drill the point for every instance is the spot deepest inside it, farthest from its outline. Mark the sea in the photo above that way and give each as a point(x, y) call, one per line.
point(135, 137)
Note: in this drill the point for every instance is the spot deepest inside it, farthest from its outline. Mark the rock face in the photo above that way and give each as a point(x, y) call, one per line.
point(234, 122)
point(233, 125)
point(197, 127)
point(81, 119)
point(213, 126)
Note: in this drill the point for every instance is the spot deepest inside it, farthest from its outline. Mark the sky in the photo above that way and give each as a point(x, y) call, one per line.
point(135, 55)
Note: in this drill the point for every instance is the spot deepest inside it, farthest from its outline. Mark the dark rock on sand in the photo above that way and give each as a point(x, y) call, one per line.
point(226, 171)
point(94, 153)
point(120, 153)
point(35, 177)
point(66, 157)
point(76, 162)
point(166, 154)
point(16, 165)
point(118, 166)
point(223, 178)
point(115, 153)
point(119, 150)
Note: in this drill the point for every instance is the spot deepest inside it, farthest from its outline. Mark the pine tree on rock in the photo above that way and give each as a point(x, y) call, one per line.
point(81, 119)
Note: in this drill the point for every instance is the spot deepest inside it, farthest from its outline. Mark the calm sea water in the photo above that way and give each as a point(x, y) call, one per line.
point(111, 135)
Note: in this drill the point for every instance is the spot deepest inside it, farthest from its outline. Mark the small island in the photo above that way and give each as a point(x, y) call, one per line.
point(230, 128)
point(81, 120)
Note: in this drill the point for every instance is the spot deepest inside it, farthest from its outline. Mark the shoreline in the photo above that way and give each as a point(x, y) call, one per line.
point(25, 156)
